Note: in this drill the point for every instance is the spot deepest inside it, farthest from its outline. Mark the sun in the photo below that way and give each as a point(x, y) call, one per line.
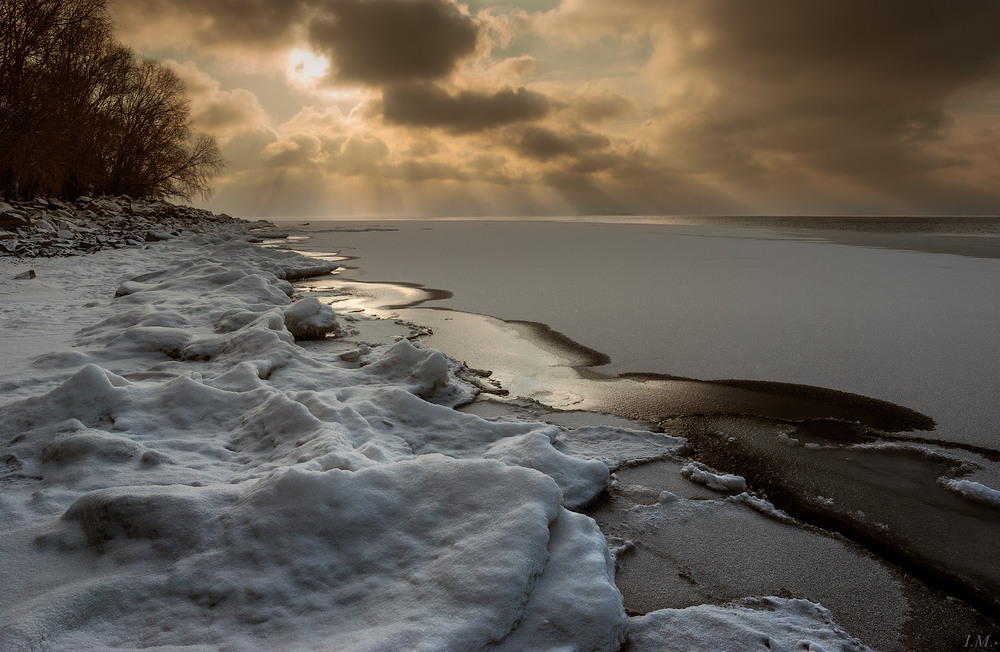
point(306, 68)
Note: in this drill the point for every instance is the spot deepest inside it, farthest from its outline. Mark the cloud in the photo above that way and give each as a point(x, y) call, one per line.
point(774, 93)
point(375, 42)
point(585, 105)
point(220, 113)
point(428, 105)
point(248, 24)
point(601, 105)
point(542, 144)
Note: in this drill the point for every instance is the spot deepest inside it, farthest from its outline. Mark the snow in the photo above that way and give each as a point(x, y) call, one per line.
point(700, 474)
point(762, 506)
point(309, 319)
point(178, 471)
point(776, 624)
point(580, 480)
point(972, 490)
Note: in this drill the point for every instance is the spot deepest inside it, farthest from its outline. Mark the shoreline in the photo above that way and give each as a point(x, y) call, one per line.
point(197, 344)
point(836, 421)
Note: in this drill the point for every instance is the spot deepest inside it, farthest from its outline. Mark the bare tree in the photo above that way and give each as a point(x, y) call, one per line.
point(37, 39)
point(79, 112)
point(154, 153)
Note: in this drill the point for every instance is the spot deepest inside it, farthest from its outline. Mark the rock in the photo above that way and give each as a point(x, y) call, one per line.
point(44, 226)
point(13, 220)
point(158, 236)
point(309, 319)
point(5, 207)
point(26, 275)
point(66, 234)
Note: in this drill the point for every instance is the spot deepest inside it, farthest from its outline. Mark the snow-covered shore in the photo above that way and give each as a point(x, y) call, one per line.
point(177, 471)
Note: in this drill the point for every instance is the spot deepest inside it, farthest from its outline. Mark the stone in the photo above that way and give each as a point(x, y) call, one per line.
point(13, 221)
point(26, 275)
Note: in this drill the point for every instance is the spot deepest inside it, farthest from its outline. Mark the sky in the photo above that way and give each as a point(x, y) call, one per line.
point(379, 108)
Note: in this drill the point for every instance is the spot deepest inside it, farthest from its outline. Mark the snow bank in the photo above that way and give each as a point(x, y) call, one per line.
point(413, 555)
point(768, 623)
point(972, 490)
point(580, 480)
point(187, 475)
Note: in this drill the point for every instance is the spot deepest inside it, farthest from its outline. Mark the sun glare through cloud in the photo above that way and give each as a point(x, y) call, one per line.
point(306, 68)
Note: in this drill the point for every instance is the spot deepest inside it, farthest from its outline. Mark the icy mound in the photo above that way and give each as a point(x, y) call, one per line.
point(308, 319)
point(195, 478)
point(413, 555)
point(765, 624)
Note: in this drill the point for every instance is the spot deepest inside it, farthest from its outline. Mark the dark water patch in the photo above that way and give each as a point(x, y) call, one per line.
point(886, 498)
point(655, 397)
point(840, 405)
point(432, 294)
point(972, 246)
point(866, 224)
point(588, 357)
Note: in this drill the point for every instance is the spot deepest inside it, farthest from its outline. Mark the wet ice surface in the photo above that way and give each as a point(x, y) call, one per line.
point(178, 471)
point(711, 302)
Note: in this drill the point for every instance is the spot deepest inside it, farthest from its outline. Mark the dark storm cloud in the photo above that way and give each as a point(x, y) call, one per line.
point(370, 41)
point(852, 87)
point(386, 41)
point(248, 23)
point(921, 48)
point(427, 105)
point(541, 144)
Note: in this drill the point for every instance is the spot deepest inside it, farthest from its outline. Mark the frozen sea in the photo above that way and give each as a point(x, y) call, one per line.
point(901, 310)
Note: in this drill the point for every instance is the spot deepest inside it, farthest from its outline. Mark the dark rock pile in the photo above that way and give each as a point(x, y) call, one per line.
point(52, 227)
